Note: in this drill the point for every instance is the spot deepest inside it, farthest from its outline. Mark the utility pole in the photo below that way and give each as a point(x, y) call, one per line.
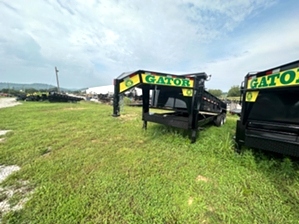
point(56, 71)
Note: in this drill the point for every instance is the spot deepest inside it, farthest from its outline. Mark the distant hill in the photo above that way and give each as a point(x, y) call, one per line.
point(37, 86)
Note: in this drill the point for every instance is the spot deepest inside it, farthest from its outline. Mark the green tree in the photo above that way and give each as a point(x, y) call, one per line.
point(31, 90)
point(234, 91)
point(78, 92)
point(215, 92)
point(10, 91)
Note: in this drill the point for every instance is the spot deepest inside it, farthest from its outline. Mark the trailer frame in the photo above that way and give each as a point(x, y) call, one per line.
point(188, 105)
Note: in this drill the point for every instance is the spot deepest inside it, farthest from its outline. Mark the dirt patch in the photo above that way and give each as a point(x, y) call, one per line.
point(14, 197)
point(128, 117)
point(8, 102)
point(211, 209)
point(124, 150)
point(5, 171)
point(201, 178)
point(190, 201)
point(4, 132)
point(72, 108)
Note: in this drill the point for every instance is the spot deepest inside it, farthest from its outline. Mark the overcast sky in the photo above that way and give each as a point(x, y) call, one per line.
point(93, 41)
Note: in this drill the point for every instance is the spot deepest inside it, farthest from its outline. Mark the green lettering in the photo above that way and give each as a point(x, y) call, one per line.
point(186, 82)
point(150, 78)
point(272, 80)
point(160, 80)
point(287, 77)
point(263, 82)
point(253, 83)
point(177, 82)
point(167, 79)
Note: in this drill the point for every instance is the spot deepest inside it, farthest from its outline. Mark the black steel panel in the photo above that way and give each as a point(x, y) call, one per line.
point(276, 106)
point(271, 121)
point(272, 135)
point(277, 127)
point(282, 147)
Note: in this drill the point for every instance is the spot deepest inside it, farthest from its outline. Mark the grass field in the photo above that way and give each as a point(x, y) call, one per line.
point(81, 165)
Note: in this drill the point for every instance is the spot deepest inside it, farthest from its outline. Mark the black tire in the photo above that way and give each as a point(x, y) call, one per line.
point(219, 120)
point(224, 118)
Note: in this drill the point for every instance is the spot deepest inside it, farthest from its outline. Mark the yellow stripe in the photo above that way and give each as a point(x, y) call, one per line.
point(251, 96)
point(285, 78)
point(187, 92)
point(129, 83)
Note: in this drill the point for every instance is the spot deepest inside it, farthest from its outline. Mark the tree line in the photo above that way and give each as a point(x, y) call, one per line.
point(15, 92)
point(26, 91)
point(232, 92)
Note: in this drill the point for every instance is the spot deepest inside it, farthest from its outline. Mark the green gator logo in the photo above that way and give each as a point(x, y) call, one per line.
point(249, 96)
point(128, 83)
point(165, 80)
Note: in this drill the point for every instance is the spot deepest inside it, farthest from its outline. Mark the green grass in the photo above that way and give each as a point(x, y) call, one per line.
point(86, 166)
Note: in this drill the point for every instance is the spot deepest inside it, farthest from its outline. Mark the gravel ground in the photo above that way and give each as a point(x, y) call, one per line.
point(5, 171)
point(8, 102)
point(3, 132)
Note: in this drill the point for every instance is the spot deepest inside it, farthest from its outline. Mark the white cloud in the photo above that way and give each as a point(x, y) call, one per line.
point(261, 51)
point(91, 42)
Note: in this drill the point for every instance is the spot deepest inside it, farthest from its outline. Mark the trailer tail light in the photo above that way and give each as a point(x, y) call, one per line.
point(273, 71)
point(276, 71)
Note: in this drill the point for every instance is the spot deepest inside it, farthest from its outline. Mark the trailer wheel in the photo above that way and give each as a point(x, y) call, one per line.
point(219, 121)
point(224, 118)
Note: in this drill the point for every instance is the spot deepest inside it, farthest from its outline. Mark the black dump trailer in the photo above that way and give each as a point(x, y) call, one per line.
point(269, 119)
point(183, 99)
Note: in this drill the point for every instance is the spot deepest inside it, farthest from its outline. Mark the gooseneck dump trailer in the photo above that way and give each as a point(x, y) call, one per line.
point(269, 119)
point(183, 98)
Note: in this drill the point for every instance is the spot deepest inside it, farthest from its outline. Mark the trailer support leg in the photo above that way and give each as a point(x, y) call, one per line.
point(116, 99)
point(144, 125)
point(193, 136)
point(145, 105)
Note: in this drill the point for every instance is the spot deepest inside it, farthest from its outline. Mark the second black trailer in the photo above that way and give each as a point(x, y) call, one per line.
point(269, 119)
point(186, 103)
